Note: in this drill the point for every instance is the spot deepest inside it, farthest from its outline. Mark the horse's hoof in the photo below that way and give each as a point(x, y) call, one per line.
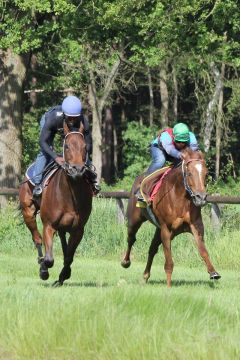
point(214, 276)
point(65, 274)
point(146, 277)
point(44, 274)
point(126, 263)
point(48, 263)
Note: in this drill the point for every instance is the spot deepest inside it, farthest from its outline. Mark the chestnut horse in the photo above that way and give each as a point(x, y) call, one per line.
point(177, 209)
point(65, 206)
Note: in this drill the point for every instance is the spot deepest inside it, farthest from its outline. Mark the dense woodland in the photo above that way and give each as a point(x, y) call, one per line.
point(138, 66)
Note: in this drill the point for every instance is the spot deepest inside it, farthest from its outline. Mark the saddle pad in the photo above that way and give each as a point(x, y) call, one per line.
point(151, 181)
point(46, 178)
point(158, 185)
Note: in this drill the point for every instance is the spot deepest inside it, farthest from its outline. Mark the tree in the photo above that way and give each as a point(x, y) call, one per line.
point(25, 26)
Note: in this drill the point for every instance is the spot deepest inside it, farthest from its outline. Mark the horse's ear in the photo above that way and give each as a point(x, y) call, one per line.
point(65, 128)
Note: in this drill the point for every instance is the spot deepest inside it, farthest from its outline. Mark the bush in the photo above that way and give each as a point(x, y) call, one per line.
point(137, 139)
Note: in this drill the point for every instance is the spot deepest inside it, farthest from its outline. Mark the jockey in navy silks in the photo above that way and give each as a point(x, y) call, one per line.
point(51, 123)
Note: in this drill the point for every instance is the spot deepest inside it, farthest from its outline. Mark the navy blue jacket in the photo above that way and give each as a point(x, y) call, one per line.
point(54, 119)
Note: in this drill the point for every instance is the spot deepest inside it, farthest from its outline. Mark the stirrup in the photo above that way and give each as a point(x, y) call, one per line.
point(96, 188)
point(141, 203)
point(37, 191)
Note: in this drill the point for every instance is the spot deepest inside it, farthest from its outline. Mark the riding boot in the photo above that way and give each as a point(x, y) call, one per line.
point(92, 177)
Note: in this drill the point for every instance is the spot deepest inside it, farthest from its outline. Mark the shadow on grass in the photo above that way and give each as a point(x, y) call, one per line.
point(90, 284)
point(177, 283)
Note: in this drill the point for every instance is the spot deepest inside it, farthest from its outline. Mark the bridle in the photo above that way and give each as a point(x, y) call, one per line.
point(184, 174)
point(73, 169)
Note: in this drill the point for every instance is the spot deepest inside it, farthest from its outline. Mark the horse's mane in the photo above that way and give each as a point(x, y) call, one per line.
point(191, 154)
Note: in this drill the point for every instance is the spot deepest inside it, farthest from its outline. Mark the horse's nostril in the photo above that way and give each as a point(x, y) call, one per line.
point(201, 196)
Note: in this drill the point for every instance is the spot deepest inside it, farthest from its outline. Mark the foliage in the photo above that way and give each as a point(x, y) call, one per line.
point(30, 139)
point(74, 41)
point(229, 186)
point(34, 19)
point(137, 139)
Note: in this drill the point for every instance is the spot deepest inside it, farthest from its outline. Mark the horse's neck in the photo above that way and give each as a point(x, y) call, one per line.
point(77, 190)
point(176, 180)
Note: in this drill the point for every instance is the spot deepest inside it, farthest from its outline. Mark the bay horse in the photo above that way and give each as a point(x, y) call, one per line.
point(65, 206)
point(177, 209)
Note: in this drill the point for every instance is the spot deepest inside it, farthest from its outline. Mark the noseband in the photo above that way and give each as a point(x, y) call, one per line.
point(184, 173)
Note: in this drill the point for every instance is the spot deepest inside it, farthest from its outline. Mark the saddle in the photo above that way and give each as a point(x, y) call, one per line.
point(48, 172)
point(152, 183)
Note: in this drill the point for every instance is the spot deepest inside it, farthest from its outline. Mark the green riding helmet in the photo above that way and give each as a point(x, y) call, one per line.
point(181, 132)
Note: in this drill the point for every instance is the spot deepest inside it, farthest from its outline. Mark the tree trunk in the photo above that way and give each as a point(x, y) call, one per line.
point(108, 146)
point(151, 100)
point(97, 104)
point(115, 152)
point(12, 75)
point(33, 94)
point(211, 108)
point(96, 129)
point(219, 126)
point(175, 95)
point(164, 97)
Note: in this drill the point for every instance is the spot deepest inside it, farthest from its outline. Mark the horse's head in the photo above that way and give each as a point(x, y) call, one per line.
point(74, 152)
point(194, 175)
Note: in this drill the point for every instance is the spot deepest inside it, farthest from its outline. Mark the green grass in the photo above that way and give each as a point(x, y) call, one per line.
point(105, 311)
point(105, 237)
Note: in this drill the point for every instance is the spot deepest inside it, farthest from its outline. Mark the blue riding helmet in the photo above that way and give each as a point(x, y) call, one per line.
point(71, 106)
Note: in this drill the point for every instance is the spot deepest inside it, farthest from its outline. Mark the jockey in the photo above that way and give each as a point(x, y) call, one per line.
point(168, 145)
point(51, 123)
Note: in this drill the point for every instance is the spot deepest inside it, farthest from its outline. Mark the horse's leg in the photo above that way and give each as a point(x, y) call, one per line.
point(29, 215)
point(153, 249)
point(198, 232)
point(48, 261)
point(166, 242)
point(73, 242)
point(62, 235)
point(132, 230)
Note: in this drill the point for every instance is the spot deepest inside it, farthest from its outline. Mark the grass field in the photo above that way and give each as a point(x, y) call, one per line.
point(107, 312)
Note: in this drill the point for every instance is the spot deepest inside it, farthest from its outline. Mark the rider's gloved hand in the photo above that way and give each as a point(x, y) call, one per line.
point(59, 160)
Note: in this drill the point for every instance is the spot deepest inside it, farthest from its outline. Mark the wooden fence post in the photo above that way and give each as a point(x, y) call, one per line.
point(120, 210)
point(215, 217)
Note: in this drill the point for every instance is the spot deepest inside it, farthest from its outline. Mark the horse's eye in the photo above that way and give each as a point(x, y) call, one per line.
point(66, 147)
point(189, 174)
